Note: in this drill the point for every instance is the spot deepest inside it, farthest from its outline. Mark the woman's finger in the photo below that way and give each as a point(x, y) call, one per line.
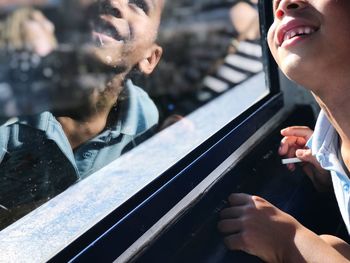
point(234, 242)
point(238, 199)
point(230, 226)
point(290, 141)
point(297, 131)
point(231, 212)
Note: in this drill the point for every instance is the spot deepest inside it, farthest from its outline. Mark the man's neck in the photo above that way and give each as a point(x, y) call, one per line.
point(93, 120)
point(80, 131)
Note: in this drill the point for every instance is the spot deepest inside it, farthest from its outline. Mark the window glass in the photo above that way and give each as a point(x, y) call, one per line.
point(209, 48)
point(84, 81)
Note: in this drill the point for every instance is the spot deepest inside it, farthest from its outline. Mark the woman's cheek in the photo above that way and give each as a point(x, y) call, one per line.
point(270, 39)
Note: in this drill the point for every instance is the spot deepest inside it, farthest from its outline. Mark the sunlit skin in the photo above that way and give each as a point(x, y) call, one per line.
point(319, 61)
point(311, 59)
point(123, 37)
point(316, 57)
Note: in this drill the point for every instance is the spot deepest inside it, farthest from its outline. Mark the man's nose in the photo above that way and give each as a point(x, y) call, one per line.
point(288, 6)
point(112, 7)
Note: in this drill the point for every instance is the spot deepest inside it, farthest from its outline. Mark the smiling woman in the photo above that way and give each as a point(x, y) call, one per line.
point(308, 41)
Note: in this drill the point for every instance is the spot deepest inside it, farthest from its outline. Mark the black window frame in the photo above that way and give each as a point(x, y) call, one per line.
point(114, 234)
point(109, 237)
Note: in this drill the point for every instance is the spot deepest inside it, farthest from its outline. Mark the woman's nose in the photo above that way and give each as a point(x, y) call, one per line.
point(287, 6)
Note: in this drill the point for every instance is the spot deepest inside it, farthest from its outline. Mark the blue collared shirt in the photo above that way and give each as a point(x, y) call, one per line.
point(324, 145)
point(37, 161)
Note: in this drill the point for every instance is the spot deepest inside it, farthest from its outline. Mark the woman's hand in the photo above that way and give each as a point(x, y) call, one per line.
point(293, 144)
point(255, 226)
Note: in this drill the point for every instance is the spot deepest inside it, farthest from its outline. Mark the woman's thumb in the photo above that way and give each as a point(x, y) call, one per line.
point(306, 156)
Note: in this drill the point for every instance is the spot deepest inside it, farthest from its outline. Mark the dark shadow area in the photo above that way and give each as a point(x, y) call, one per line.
point(194, 237)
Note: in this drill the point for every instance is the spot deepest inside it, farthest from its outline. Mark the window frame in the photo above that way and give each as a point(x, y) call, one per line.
point(147, 206)
point(132, 219)
point(109, 237)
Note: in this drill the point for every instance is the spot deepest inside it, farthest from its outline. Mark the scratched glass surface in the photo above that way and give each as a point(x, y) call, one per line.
point(84, 81)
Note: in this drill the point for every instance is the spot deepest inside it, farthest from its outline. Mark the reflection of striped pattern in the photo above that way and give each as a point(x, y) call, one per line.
point(235, 69)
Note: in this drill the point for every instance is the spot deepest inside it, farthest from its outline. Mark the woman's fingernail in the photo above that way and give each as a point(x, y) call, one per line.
point(299, 153)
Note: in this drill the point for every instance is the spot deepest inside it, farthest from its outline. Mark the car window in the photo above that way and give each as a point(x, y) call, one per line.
point(83, 82)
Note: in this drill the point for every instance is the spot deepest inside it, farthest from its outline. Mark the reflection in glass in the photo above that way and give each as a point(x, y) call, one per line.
point(209, 48)
point(77, 108)
point(76, 90)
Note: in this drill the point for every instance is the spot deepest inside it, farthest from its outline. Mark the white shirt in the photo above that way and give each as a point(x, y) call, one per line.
point(324, 145)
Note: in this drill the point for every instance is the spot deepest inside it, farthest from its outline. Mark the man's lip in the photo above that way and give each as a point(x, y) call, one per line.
point(107, 28)
point(102, 39)
point(290, 25)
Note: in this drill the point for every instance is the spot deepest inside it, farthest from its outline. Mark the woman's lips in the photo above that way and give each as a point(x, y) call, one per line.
point(299, 31)
point(294, 29)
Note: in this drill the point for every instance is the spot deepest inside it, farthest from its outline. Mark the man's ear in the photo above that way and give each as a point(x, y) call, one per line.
point(151, 60)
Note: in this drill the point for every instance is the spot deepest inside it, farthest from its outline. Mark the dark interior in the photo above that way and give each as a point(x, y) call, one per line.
point(194, 237)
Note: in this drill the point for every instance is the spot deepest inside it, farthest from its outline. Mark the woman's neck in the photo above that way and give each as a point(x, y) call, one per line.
point(336, 106)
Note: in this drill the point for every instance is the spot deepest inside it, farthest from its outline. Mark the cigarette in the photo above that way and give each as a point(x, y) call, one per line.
point(291, 160)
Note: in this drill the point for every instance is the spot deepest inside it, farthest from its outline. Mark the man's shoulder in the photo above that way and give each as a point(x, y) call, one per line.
point(40, 121)
point(139, 96)
point(139, 111)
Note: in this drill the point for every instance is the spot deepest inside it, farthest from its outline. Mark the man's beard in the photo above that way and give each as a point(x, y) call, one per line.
point(80, 112)
point(97, 82)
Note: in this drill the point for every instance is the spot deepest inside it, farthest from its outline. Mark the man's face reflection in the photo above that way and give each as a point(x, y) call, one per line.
point(122, 37)
point(123, 32)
